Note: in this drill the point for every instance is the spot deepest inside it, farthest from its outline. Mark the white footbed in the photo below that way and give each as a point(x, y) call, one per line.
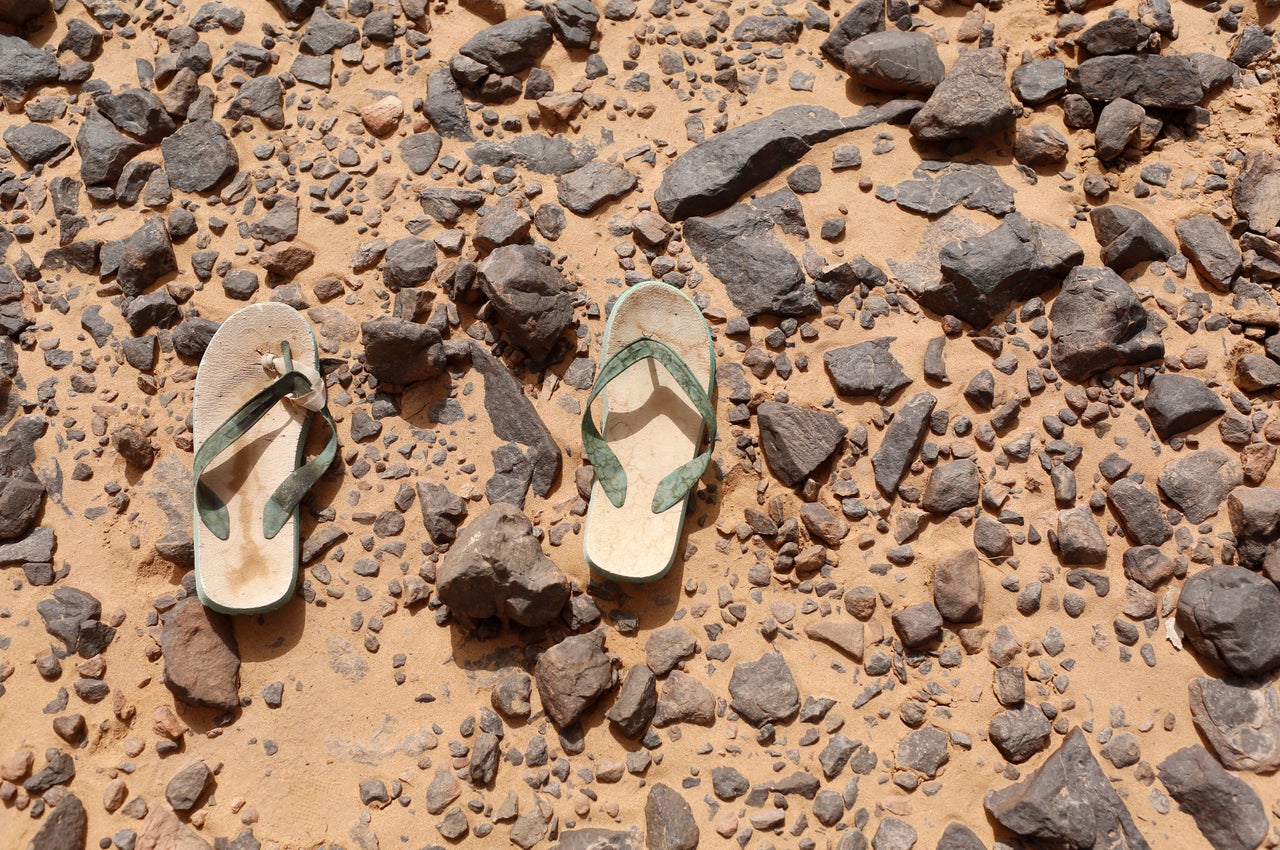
point(247, 572)
point(652, 427)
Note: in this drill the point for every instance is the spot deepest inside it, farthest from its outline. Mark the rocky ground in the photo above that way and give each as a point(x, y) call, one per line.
point(988, 554)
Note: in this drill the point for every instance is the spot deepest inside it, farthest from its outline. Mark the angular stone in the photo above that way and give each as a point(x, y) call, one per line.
point(1020, 733)
point(1210, 248)
point(1040, 80)
point(1097, 323)
point(1255, 521)
point(952, 486)
point(685, 700)
point(1153, 80)
point(712, 175)
point(866, 369)
point(764, 691)
point(199, 156)
point(1114, 35)
point(186, 786)
point(1128, 237)
point(924, 751)
point(668, 820)
point(513, 417)
point(958, 588)
point(400, 352)
point(1199, 483)
point(1226, 810)
point(104, 150)
point(584, 189)
point(66, 827)
point(972, 102)
point(497, 568)
point(24, 67)
point(796, 440)
point(1178, 403)
point(163, 831)
point(572, 21)
point(917, 625)
point(1228, 616)
point(1118, 124)
point(1240, 719)
point(36, 143)
point(895, 61)
point(844, 636)
point(1067, 802)
point(201, 660)
point(741, 249)
point(1139, 512)
point(511, 46)
point(984, 275)
point(637, 701)
point(145, 257)
point(528, 295)
point(866, 16)
point(1256, 191)
point(902, 441)
point(572, 675)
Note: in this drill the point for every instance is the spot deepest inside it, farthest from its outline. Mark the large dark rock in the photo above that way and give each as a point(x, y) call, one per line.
point(895, 61)
point(572, 21)
point(633, 710)
point(983, 276)
point(764, 691)
point(1255, 521)
point(713, 174)
point(1139, 512)
point(401, 352)
point(444, 106)
point(1117, 125)
point(22, 496)
point(1128, 237)
point(1067, 802)
point(1256, 192)
point(199, 156)
point(497, 568)
point(201, 660)
point(971, 102)
point(1019, 733)
point(104, 150)
point(958, 589)
point(17, 12)
point(527, 294)
point(1097, 323)
point(1177, 403)
point(668, 820)
point(66, 827)
point(1228, 615)
point(938, 186)
point(740, 248)
point(1210, 248)
point(585, 188)
point(864, 18)
point(513, 417)
point(952, 486)
point(145, 257)
point(36, 143)
point(902, 441)
point(866, 369)
point(1198, 483)
point(1240, 719)
point(24, 67)
point(408, 262)
point(137, 111)
point(1226, 810)
point(511, 46)
point(1114, 35)
point(572, 676)
point(262, 98)
point(796, 440)
point(1163, 82)
point(1040, 80)
point(774, 29)
point(326, 33)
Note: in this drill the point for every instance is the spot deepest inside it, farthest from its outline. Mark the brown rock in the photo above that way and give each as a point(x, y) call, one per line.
point(382, 116)
point(201, 661)
point(163, 831)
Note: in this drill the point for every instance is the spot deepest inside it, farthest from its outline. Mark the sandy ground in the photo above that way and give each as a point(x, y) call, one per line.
point(292, 773)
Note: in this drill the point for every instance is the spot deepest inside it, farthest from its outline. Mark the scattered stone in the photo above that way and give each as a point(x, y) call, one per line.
point(902, 441)
point(1039, 81)
point(895, 61)
point(796, 440)
point(1097, 323)
point(917, 625)
point(1178, 403)
point(668, 820)
point(1226, 614)
point(984, 275)
point(1152, 80)
point(1117, 125)
point(66, 827)
point(764, 691)
point(186, 786)
point(401, 352)
point(528, 295)
point(637, 701)
point(1114, 35)
point(572, 675)
point(511, 46)
point(866, 369)
point(1226, 810)
point(1067, 800)
point(972, 102)
point(1128, 237)
point(1200, 482)
point(952, 486)
point(958, 589)
point(741, 249)
point(1256, 192)
point(201, 660)
point(198, 156)
point(584, 189)
point(1241, 721)
point(497, 568)
point(1139, 512)
point(1210, 248)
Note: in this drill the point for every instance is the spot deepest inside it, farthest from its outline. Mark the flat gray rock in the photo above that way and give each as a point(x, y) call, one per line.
point(971, 102)
point(1228, 615)
point(1097, 323)
point(1240, 719)
point(1226, 810)
point(764, 691)
point(866, 369)
point(1160, 81)
point(902, 441)
point(1199, 483)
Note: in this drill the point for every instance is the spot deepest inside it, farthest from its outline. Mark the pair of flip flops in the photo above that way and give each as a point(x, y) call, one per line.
point(259, 388)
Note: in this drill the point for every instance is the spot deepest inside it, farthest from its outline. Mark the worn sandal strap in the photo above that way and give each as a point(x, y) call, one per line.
point(608, 470)
point(284, 501)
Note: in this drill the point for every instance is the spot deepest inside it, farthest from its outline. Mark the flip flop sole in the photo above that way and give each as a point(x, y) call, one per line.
point(248, 573)
point(652, 428)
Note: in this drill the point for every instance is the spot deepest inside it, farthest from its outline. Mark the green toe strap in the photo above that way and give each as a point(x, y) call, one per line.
point(608, 470)
point(284, 501)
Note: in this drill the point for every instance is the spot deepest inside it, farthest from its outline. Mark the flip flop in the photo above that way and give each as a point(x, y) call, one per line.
point(257, 389)
point(657, 381)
